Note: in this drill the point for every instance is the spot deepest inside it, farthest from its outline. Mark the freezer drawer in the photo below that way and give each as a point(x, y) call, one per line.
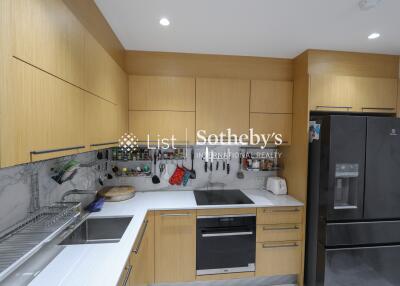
point(364, 266)
point(363, 233)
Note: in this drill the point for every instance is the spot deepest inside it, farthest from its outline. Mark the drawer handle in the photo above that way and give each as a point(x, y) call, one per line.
point(175, 215)
point(280, 228)
point(379, 108)
point(227, 234)
point(280, 246)
point(56, 150)
point(128, 274)
point(103, 144)
point(337, 107)
point(137, 248)
point(281, 211)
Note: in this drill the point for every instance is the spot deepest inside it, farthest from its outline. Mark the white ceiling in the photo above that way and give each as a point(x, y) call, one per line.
point(271, 28)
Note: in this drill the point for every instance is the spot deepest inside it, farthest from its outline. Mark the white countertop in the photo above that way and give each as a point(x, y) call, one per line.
point(102, 264)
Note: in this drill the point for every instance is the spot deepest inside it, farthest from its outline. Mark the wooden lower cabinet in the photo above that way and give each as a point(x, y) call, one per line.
point(175, 246)
point(126, 275)
point(279, 248)
point(142, 257)
point(278, 258)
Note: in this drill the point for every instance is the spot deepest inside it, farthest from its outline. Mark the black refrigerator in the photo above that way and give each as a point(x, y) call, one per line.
point(353, 205)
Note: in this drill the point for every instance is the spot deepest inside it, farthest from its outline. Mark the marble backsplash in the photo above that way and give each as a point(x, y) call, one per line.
point(16, 182)
point(16, 186)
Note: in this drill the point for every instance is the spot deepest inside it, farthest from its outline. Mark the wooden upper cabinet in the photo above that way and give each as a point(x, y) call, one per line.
point(269, 124)
point(39, 113)
point(350, 93)
point(175, 246)
point(48, 35)
point(271, 96)
point(162, 93)
point(101, 122)
point(162, 124)
point(222, 104)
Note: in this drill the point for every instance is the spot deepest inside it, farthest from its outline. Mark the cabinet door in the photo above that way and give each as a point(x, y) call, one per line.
point(39, 113)
point(175, 246)
point(271, 96)
point(162, 93)
point(222, 104)
point(350, 93)
point(143, 254)
point(272, 123)
point(101, 122)
point(49, 36)
point(375, 94)
point(162, 124)
point(331, 93)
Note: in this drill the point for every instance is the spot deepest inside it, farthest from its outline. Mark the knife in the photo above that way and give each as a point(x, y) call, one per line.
point(206, 160)
point(212, 159)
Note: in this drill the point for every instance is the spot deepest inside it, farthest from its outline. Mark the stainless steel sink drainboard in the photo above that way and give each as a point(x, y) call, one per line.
point(19, 242)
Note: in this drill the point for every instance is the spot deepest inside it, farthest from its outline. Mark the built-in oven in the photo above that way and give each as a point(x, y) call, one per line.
point(226, 244)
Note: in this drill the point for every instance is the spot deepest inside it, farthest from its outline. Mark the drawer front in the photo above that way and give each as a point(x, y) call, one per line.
point(278, 258)
point(281, 232)
point(279, 215)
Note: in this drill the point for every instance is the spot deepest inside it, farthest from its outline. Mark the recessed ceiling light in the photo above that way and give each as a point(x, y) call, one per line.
point(164, 22)
point(374, 36)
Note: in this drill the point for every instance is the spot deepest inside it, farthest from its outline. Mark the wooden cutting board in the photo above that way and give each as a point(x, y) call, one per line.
point(117, 194)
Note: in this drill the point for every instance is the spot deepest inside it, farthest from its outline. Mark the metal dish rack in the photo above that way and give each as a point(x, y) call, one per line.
point(19, 242)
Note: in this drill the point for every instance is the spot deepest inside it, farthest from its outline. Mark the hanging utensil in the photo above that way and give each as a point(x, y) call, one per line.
point(239, 173)
point(211, 161)
point(155, 179)
point(228, 166)
point(206, 160)
point(192, 171)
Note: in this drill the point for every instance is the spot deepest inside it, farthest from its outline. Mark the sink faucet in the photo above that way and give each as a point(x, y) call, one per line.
point(78, 192)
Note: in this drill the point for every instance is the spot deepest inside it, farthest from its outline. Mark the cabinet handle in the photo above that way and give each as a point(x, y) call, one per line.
point(56, 150)
point(280, 246)
point(243, 233)
point(379, 108)
point(175, 215)
point(103, 144)
point(137, 248)
point(280, 228)
point(336, 107)
point(128, 274)
point(281, 211)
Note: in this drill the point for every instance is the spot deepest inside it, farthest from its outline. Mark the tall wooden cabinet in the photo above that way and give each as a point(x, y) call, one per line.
point(175, 246)
point(222, 104)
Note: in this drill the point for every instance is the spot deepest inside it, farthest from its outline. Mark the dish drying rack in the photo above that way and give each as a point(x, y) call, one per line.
point(19, 242)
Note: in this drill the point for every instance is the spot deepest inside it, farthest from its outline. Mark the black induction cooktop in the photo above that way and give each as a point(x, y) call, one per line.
point(221, 197)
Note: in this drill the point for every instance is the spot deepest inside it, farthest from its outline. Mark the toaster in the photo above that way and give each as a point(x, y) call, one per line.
point(277, 185)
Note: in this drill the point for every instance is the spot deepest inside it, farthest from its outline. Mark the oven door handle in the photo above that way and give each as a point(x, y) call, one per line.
point(227, 234)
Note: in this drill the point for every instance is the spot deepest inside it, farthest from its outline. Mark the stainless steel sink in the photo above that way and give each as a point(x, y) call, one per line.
point(98, 230)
